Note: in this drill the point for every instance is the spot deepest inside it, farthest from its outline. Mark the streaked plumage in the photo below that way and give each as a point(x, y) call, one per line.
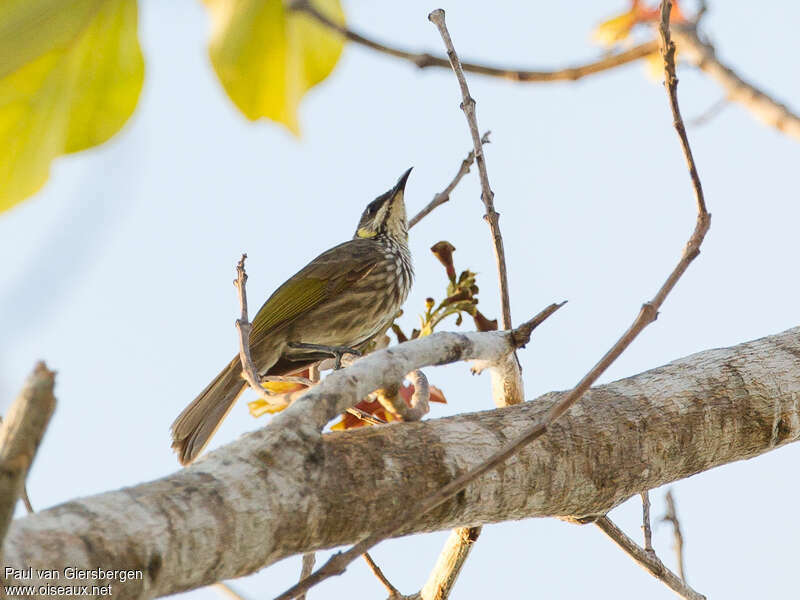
point(344, 297)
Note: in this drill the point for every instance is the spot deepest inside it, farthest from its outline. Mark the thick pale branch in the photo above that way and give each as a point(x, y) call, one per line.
point(268, 496)
point(449, 564)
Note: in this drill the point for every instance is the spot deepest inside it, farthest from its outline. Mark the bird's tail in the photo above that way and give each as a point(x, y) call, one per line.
point(194, 427)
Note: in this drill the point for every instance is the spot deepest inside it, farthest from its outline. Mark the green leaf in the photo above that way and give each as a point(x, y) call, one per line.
point(73, 84)
point(268, 57)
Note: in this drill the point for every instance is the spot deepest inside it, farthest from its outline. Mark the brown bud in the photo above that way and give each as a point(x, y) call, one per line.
point(401, 337)
point(482, 323)
point(444, 252)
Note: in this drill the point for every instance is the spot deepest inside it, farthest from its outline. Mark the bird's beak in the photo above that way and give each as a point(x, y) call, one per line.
point(400, 186)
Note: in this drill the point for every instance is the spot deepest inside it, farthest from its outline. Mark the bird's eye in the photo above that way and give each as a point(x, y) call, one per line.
point(372, 209)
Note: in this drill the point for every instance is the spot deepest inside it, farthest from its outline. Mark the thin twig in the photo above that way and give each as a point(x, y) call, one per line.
point(648, 313)
point(487, 195)
point(709, 113)
point(393, 591)
point(20, 435)
point(424, 60)
point(648, 560)
point(648, 532)
point(444, 195)
point(672, 517)
point(249, 371)
point(671, 83)
point(309, 559)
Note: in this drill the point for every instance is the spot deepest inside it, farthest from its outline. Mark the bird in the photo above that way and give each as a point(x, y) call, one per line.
point(346, 297)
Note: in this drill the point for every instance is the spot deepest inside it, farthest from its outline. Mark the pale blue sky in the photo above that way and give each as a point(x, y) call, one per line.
point(118, 273)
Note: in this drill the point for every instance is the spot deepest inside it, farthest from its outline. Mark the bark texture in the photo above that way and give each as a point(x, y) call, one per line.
point(279, 492)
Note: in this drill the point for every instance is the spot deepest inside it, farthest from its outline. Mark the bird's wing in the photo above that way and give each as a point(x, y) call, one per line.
point(327, 275)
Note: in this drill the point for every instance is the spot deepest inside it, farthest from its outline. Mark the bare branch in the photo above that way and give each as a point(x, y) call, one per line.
point(648, 313)
point(487, 195)
point(700, 53)
point(444, 195)
point(646, 530)
point(20, 435)
point(763, 106)
point(672, 517)
point(249, 371)
point(507, 386)
point(280, 492)
point(424, 60)
point(648, 560)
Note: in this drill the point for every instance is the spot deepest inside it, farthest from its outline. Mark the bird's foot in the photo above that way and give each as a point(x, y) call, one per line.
point(335, 351)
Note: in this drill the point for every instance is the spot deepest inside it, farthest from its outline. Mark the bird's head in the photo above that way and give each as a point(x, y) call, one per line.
point(386, 215)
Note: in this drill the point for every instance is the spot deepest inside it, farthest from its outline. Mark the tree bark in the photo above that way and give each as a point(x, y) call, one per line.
point(275, 493)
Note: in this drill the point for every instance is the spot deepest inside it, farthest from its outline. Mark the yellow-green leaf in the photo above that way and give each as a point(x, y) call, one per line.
point(74, 83)
point(267, 56)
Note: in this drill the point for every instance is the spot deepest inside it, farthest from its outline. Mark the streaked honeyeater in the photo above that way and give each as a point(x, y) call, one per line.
point(345, 297)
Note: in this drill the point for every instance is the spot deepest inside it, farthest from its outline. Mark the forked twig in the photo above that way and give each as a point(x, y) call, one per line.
point(648, 313)
point(487, 195)
point(444, 195)
point(243, 325)
point(648, 560)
